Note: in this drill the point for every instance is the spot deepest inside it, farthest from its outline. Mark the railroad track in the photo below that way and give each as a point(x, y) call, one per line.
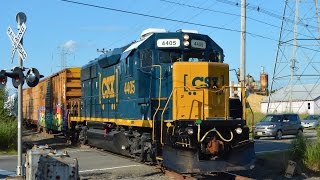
point(175, 175)
point(170, 173)
point(212, 176)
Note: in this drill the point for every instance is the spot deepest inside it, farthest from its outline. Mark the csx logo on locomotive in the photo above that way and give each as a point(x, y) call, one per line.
point(107, 88)
point(205, 81)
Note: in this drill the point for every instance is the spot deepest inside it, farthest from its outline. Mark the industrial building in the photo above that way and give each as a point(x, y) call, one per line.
point(302, 99)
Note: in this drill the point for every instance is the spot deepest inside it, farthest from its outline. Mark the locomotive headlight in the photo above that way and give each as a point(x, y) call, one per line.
point(189, 130)
point(186, 37)
point(186, 43)
point(238, 130)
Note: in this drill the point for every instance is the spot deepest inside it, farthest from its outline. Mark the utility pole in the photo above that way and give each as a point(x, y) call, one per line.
point(243, 54)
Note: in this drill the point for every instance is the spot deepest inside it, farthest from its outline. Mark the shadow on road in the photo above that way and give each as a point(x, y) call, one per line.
point(55, 141)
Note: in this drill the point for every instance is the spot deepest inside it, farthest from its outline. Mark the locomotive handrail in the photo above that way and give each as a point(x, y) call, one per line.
point(164, 109)
point(168, 100)
point(199, 129)
point(159, 103)
point(214, 129)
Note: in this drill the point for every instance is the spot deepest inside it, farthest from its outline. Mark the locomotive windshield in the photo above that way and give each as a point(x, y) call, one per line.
point(194, 56)
point(188, 56)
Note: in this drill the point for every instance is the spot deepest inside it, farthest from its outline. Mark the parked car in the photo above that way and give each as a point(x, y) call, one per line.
point(277, 125)
point(311, 121)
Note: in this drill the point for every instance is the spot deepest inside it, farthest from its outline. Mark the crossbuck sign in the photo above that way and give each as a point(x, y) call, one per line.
point(16, 41)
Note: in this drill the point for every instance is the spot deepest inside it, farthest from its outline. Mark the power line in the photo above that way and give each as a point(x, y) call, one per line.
point(179, 21)
point(231, 14)
point(261, 10)
point(163, 18)
point(216, 11)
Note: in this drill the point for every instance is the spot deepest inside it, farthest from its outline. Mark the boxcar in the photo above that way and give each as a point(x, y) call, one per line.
point(46, 104)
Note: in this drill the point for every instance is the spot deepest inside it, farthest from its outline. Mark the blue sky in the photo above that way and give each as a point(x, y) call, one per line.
point(53, 25)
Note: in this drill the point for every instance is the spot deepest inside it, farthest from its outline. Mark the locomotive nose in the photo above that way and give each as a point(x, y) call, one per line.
point(200, 90)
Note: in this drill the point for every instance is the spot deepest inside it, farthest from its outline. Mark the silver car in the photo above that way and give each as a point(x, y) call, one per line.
point(311, 121)
point(277, 125)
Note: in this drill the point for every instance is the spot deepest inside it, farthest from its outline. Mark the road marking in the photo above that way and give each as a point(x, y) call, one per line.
point(118, 167)
point(276, 150)
point(78, 150)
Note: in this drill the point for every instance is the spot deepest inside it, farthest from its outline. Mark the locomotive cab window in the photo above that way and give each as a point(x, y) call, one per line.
point(169, 57)
point(146, 58)
point(129, 66)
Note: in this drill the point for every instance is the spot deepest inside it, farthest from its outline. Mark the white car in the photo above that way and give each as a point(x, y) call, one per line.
point(311, 121)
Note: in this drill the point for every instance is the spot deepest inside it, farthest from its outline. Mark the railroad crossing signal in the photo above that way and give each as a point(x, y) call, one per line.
point(17, 77)
point(33, 76)
point(16, 41)
point(3, 79)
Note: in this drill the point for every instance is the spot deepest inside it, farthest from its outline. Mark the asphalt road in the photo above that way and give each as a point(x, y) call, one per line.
point(90, 161)
point(269, 144)
point(93, 161)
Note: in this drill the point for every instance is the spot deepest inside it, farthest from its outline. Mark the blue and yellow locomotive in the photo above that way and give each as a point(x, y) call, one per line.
point(164, 96)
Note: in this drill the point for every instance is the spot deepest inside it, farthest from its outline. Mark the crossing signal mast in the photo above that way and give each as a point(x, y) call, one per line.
point(32, 77)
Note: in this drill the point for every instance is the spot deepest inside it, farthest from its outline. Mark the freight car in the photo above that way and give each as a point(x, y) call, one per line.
point(45, 105)
point(164, 97)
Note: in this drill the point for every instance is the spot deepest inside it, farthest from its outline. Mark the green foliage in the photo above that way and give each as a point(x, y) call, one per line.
point(318, 134)
point(312, 156)
point(302, 116)
point(8, 125)
point(8, 134)
point(307, 151)
point(298, 148)
point(253, 118)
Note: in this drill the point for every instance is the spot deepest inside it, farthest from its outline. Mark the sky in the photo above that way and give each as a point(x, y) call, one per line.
point(59, 30)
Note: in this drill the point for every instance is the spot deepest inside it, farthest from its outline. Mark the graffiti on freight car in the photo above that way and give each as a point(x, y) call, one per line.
point(51, 119)
point(42, 116)
point(58, 117)
point(107, 87)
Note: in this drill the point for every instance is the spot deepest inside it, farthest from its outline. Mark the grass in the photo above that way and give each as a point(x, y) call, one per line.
point(9, 152)
point(8, 135)
point(307, 151)
point(253, 118)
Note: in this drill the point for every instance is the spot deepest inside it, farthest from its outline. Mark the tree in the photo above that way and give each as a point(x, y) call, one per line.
point(5, 114)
